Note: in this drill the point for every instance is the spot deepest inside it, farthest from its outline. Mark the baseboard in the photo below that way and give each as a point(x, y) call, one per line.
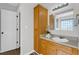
point(36, 52)
point(31, 52)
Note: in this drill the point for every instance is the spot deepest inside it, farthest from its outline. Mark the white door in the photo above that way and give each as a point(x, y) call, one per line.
point(8, 30)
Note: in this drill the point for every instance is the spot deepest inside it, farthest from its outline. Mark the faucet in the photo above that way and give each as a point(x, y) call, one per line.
point(61, 37)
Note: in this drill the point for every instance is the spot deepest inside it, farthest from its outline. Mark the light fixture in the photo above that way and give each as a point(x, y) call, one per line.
point(58, 7)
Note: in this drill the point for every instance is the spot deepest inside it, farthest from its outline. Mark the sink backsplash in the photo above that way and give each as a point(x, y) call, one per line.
point(72, 38)
point(67, 37)
point(64, 33)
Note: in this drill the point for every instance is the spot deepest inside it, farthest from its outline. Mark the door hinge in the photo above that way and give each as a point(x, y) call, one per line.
point(17, 16)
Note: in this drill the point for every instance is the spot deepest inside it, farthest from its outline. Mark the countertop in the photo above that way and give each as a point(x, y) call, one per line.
point(74, 43)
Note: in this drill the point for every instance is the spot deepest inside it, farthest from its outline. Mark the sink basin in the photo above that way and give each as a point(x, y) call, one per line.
point(48, 36)
point(57, 39)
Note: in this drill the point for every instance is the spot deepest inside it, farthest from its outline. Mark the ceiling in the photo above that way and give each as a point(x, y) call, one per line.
point(9, 6)
point(49, 5)
point(14, 4)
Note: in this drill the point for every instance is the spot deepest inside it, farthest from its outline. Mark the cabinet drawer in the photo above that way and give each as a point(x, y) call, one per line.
point(43, 41)
point(65, 48)
point(59, 52)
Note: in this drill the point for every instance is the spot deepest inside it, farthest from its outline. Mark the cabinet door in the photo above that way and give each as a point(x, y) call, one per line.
point(51, 48)
point(43, 47)
point(51, 22)
point(78, 52)
point(36, 40)
point(43, 16)
point(75, 51)
point(47, 47)
point(64, 49)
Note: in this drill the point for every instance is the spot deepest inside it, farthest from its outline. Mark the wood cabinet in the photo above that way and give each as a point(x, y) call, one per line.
point(43, 47)
point(63, 50)
point(43, 16)
point(75, 51)
point(52, 48)
point(60, 52)
point(36, 29)
point(47, 47)
point(78, 51)
point(51, 22)
point(40, 24)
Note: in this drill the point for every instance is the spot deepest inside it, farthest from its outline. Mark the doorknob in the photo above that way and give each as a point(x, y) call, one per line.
point(2, 32)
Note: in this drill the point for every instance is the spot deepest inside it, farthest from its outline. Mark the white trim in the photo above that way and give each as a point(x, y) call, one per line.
point(36, 52)
point(31, 52)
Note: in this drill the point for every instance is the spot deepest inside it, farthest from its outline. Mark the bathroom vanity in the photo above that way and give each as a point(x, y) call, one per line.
point(50, 47)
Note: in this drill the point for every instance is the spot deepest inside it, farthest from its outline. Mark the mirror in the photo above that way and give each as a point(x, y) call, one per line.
point(65, 21)
point(65, 24)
